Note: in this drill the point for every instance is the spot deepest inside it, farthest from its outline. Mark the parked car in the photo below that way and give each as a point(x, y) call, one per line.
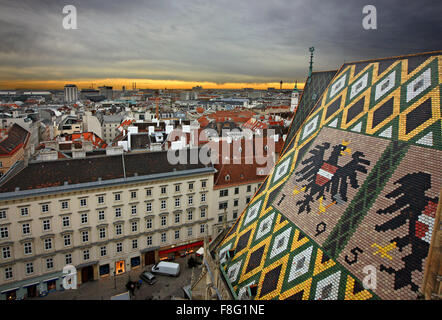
point(167, 268)
point(148, 277)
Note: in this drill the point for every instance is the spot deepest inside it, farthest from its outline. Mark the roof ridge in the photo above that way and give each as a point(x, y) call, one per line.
point(395, 57)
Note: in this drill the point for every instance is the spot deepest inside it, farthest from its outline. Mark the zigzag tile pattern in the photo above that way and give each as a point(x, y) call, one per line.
point(355, 193)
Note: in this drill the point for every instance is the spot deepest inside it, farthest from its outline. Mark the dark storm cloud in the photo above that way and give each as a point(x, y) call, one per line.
point(220, 41)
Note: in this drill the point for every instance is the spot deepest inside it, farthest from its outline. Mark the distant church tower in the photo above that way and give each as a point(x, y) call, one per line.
point(295, 98)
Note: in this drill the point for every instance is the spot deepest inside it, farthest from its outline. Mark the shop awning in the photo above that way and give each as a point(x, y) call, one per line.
point(9, 290)
point(51, 279)
point(183, 247)
point(30, 284)
point(86, 264)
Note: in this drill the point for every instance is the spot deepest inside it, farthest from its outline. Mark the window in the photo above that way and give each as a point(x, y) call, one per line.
point(235, 214)
point(27, 247)
point(66, 221)
point(134, 209)
point(86, 255)
point(46, 225)
point(202, 228)
point(6, 252)
point(220, 218)
point(49, 263)
point(118, 229)
point(149, 240)
point(103, 251)
point(190, 200)
point(102, 233)
point(203, 212)
point(44, 208)
point(163, 190)
point(133, 194)
point(177, 188)
point(26, 228)
point(249, 188)
point(203, 184)
point(163, 220)
point(2, 214)
point(117, 196)
point(134, 243)
point(149, 207)
point(4, 232)
point(237, 190)
point(29, 268)
point(117, 212)
point(48, 243)
point(190, 186)
point(67, 240)
point(247, 200)
point(149, 224)
point(100, 199)
point(83, 202)
point(68, 258)
point(177, 218)
point(224, 193)
point(189, 231)
point(85, 236)
point(134, 226)
point(203, 197)
point(84, 218)
point(222, 205)
point(24, 211)
point(8, 273)
point(148, 192)
point(189, 215)
point(235, 202)
point(177, 234)
point(101, 215)
point(119, 247)
point(177, 202)
point(163, 237)
point(163, 204)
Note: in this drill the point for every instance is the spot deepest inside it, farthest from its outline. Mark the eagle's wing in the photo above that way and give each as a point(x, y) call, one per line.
point(313, 163)
point(339, 182)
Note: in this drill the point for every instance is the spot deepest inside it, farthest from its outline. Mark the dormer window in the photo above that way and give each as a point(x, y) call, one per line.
point(227, 177)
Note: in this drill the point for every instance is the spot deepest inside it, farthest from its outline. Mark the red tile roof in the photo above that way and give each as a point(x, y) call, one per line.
point(17, 138)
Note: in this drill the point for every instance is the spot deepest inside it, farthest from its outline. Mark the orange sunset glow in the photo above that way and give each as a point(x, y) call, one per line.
point(140, 84)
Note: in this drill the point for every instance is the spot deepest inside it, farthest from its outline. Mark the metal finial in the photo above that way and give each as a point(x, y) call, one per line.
point(311, 49)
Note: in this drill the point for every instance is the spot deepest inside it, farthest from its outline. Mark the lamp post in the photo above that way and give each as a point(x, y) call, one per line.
point(115, 279)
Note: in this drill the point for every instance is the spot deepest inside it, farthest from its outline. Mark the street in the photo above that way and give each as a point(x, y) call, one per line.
point(103, 289)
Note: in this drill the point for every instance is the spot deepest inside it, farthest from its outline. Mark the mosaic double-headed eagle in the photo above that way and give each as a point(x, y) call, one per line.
point(328, 176)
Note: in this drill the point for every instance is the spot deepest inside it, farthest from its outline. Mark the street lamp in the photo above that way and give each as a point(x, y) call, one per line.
point(115, 279)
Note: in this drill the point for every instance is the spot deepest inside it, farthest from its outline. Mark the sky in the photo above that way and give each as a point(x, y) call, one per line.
point(213, 43)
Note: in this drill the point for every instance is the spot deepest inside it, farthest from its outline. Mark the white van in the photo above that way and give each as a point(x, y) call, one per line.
point(167, 268)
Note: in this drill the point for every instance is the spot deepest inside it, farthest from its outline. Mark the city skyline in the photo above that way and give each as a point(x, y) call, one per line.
point(117, 84)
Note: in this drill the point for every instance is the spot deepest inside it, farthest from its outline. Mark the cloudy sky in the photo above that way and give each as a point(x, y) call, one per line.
point(180, 43)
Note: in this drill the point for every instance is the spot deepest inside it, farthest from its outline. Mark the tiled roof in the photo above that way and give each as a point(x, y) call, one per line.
point(17, 137)
point(97, 142)
point(55, 173)
point(354, 194)
point(311, 94)
point(237, 174)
